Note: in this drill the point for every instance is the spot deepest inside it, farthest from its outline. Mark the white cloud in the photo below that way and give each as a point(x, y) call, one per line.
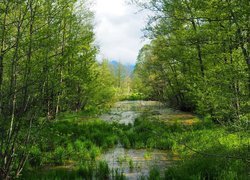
point(118, 30)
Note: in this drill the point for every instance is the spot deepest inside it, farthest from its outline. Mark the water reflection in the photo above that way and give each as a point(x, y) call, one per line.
point(136, 163)
point(125, 112)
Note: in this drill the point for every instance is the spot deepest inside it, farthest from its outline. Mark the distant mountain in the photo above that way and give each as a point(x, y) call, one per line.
point(115, 64)
point(128, 68)
point(131, 68)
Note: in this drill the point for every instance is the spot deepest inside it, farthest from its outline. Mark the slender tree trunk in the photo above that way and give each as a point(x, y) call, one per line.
point(59, 94)
point(29, 56)
point(198, 44)
point(14, 126)
point(2, 44)
point(60, 91)
point(241, 40)
point(46, 92)
point(14, 79)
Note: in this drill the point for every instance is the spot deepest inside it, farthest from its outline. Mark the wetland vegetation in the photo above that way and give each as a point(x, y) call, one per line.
point(161, 143)
point(182, 113)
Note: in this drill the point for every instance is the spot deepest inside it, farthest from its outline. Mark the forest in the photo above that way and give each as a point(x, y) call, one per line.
point(182, 113)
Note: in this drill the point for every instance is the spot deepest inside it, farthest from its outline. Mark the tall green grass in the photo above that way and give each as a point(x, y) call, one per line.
point(206, 150)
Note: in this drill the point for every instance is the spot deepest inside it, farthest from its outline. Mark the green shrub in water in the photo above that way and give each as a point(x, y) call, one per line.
point(154, 174)
point(116, 175)
point(131, 164)
point(103, 170)
point(86, 170)
point(94, 152)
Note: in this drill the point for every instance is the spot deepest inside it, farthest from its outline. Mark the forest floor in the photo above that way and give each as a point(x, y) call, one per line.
point(139, 140)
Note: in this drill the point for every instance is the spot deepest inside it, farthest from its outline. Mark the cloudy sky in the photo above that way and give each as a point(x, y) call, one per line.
point(118, 30)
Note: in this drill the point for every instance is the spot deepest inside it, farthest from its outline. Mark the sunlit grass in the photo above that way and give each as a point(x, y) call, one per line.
point(74, 139)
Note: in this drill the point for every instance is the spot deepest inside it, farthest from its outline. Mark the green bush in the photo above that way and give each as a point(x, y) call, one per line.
point(80, 142)
point(199, 167)
point(103, 170)
point(154, 174)
point(59, 155)
point(86, 170)
point(35, 157)
point(116, 175)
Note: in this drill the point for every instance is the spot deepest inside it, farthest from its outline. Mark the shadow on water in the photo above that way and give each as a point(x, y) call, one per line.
point(53, 174)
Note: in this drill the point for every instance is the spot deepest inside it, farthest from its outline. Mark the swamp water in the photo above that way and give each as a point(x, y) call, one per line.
point(133, 163)
point(136, 163)
point(125, 112)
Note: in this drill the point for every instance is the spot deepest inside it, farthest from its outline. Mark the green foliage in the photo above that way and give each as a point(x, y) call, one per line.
point(116, 175)
point(35, 156)
point(135, 96)
point(131, 164)
point(59, 155)
point(69, 140)
point(222, 151)
point(86, 170)
point(55, 174)
point(222, 156)
point(47, 66)
point(199, 167)
point(103, 170)
point(154, 174)
point(198, 57)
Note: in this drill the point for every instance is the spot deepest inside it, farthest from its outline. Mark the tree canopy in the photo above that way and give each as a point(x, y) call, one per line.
point(199, 56)
point(47, 66)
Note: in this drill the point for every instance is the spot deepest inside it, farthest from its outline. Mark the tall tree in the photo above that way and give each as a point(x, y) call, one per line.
point(199, 55)
point(47, 66)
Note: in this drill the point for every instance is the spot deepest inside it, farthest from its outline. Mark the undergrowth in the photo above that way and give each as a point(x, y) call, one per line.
point(206, 150)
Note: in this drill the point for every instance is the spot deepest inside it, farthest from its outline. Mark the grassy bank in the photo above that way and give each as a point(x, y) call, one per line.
point(74, 144)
